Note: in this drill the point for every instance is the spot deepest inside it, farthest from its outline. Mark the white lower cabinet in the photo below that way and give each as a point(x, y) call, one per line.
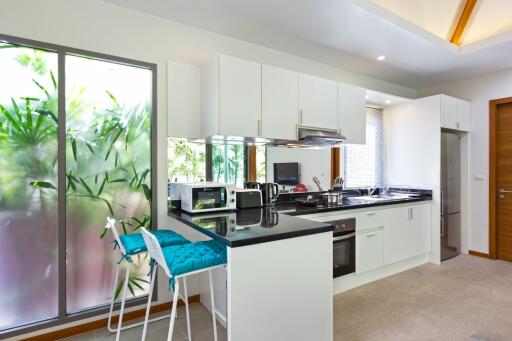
point(407, 232)
point(369, 250)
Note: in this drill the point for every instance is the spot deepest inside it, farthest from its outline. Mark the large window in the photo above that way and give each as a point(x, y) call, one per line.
point(226, 163)
point(28, 182)
point(108, 166)
point(363, 164)
point(85, 148)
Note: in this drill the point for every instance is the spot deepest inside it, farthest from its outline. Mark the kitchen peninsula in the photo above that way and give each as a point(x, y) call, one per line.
point(277, 265)
point(282, 263)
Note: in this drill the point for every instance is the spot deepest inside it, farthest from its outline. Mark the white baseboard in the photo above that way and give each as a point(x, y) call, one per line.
point(351, 281)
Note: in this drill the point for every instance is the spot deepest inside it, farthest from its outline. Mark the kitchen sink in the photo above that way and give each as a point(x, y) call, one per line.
point(382, 197)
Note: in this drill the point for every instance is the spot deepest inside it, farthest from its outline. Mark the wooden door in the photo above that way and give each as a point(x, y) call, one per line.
point(501, 166)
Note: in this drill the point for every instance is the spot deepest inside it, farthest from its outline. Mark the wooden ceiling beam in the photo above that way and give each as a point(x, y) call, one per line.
point(463, 22)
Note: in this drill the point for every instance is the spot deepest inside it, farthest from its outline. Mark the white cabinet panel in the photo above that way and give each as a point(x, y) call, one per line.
point(407, 232)
point(455, 113)
point(369, 220)
point(240, 96)
point(463, 115)
point(369, 250)
point(420, 230)
point(396, 231)
point(352, 113)
point(280, 103)
point(230, 97)
point(448, 112)
point(318, 102)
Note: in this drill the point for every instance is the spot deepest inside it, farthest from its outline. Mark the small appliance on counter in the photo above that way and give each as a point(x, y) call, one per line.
point(269, 192)
point(248, 198)
point(207, 197)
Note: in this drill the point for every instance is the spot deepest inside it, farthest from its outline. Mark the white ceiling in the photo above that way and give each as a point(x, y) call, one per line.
point(343, 33)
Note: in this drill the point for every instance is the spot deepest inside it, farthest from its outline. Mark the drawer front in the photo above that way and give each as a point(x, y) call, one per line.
point(369, 220)
point(369, 250)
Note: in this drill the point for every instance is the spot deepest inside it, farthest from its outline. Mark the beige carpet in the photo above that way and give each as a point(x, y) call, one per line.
point(466, 298)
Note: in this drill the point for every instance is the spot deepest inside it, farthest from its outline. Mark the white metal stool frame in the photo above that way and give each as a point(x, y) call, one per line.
point(155, 250)
point(111, 225)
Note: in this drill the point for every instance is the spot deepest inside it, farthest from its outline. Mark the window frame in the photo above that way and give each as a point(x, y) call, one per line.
point(62, 51)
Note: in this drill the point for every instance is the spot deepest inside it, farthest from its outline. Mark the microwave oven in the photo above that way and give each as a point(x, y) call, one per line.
point(207, 197)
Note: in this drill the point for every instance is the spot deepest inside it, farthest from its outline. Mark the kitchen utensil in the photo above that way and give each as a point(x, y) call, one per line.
point(330, 198)
point(319, 184)
point(269, 192)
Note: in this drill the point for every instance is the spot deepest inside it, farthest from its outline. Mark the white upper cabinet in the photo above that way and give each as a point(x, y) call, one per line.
point(280, 103)
point(352, 113)
point(231, 97)
point(455, 113)
point(463, 115)
point(318, 102)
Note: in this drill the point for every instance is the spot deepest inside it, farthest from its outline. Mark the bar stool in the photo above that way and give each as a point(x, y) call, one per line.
point(181, 261)
point(130, 245)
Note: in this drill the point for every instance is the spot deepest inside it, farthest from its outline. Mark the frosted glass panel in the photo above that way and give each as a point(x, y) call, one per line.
point(28, 186)
point(108, 169)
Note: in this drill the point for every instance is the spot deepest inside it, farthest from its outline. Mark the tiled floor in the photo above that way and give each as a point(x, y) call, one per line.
point(200, 321)
point(466, 298)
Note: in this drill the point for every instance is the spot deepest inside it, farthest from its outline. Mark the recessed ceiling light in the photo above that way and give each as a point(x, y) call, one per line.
point(381, 58)
point(388, 102)
point(366, 97)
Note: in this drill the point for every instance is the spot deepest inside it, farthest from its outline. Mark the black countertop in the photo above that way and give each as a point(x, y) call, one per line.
point(293, 209)
point(249, 226)
point(260, 225)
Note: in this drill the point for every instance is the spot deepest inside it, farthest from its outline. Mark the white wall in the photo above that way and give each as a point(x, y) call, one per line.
point(413, 153)
point(479, 91)
point(312, 162)
point(101, 27)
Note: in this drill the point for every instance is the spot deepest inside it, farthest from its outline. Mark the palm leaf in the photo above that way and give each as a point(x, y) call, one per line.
point(112, 144)
point(87, 188)
point(43, 184)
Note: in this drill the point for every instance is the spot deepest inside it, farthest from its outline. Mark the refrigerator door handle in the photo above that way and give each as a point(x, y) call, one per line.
point(442, 227)
point(442, 202)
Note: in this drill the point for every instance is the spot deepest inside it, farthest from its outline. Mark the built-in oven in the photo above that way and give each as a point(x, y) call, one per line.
point(344, 246)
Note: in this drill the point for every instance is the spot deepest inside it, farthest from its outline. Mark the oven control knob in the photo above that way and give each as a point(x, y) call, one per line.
point(232, 192)
point(232, 200)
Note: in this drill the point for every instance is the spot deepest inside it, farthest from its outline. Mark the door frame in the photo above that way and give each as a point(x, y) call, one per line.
point(493, 140)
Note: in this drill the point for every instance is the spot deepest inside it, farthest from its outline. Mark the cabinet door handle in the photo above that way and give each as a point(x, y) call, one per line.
point(259, 127)
point(300, 116)
point(457, 125)
point(369, 235)
point(370, 214)
point(409, 213)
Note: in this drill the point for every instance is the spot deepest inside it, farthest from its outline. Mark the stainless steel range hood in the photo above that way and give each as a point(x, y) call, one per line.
point(307, 137)
point(313, 137)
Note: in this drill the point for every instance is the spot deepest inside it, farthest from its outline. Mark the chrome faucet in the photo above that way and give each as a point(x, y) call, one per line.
point(371, 190)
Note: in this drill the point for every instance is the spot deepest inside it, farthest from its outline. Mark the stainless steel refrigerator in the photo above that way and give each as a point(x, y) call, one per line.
point(450, 195)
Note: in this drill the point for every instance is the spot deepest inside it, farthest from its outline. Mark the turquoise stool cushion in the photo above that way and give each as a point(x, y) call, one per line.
point(194, 256)
point(134, 243)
